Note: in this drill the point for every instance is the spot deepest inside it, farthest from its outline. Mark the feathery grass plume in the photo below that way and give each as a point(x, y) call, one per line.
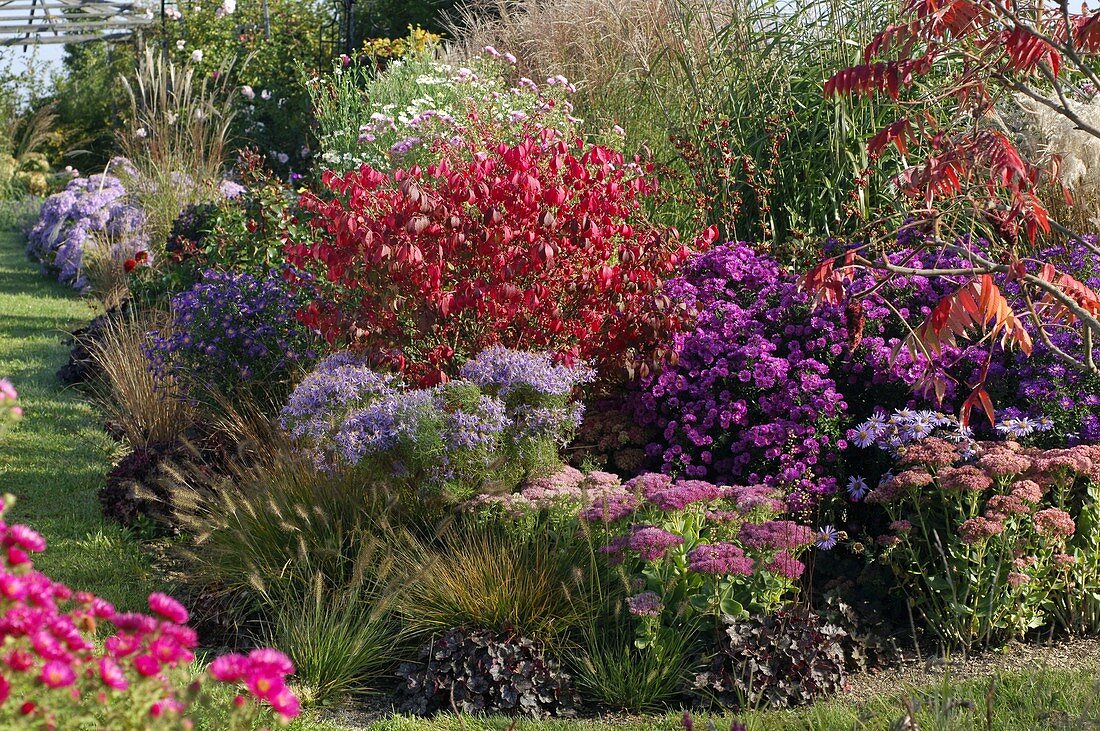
point(607, 48)
point(177, 139)
point(1055, 140)
point(145, 409)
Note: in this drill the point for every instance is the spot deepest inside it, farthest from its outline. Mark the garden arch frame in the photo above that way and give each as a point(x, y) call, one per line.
point(43, 22)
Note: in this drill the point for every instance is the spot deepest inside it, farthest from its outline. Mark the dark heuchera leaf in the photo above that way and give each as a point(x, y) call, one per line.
point(480, 671)
point(788, 658)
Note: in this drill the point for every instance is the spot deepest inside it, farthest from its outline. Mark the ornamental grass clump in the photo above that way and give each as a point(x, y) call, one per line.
point(503, 421)
point(697, 551)
point(71, 660)
point(751, 395)
point(233, 334)
point(984, 536)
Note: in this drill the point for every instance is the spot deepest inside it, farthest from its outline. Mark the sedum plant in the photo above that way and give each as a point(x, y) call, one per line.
point(696, 551)
point(981, 534)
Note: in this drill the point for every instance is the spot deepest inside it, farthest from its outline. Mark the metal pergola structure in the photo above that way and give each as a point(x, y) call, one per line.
point(39, 22)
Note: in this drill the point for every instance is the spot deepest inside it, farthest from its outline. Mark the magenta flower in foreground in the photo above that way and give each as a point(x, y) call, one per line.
point(167, 607)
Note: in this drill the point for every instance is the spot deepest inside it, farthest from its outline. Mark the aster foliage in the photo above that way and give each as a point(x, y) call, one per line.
point(751, 395)
point(233, 332)
point(90, 211)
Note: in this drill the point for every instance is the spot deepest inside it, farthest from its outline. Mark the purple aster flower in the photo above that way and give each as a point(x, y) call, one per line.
point(827, 538)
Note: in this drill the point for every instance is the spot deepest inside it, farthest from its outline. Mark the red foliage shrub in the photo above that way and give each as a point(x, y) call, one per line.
point(542, 245)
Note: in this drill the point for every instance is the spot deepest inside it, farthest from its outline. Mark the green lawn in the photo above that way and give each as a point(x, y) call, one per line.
point(58, 457)
point(55, 460)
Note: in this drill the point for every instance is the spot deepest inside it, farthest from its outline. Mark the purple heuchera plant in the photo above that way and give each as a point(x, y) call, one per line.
point(89, 208)
point(751, 396)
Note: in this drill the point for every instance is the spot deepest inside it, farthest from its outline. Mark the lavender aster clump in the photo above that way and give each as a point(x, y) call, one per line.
point(88, 210)
point(538, 395)
point(323, 399)
point(457, 437)
point(233, 331)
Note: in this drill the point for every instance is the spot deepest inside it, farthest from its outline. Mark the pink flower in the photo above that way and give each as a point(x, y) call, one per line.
point(26, 538)
point(111, 674)
point(285, 703)
point(975, 530)
point(168, 608)
point(264, 683)
point(1001, 462)
point(268, 658)
point(1016, 579)
point(1054, 522)
point(646, 604)
point(651, 542)
point(786, 565)
point(901, 526)
point(1027, 490)
point(720, 558)
point(967, 478)
point(147, 665)
point(229, 668)
point(57, 674)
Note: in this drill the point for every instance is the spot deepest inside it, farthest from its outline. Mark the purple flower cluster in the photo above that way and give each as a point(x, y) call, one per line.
point(651, 542)
point(720, 558)
point(89, 210)
point(457, 434)
point(516, 373)
point(751, 394)
point(320, 403)
point(232, 329)
point(1037, 395)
